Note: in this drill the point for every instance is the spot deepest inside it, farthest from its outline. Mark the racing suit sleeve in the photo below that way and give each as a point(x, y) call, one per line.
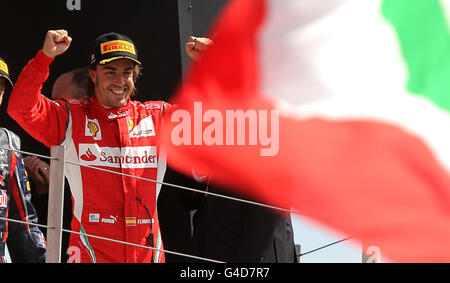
point(26, 243)
point(44, 119)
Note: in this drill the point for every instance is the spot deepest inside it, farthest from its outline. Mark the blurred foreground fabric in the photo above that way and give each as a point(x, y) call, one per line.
point(338, 109)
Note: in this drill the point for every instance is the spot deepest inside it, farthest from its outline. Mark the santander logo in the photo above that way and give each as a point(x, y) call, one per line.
point(115, 157)
point(88, 156)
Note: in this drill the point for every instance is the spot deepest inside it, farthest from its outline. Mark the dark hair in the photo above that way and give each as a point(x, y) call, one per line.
point(137, 72)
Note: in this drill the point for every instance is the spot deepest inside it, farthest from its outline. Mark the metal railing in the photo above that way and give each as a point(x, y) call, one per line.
point(56, 203)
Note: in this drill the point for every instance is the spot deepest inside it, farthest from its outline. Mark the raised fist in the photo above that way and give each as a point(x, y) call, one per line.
point(196, 46)
point(56, 43)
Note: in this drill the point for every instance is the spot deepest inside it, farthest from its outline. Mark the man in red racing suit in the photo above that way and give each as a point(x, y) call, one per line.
point(109, 131)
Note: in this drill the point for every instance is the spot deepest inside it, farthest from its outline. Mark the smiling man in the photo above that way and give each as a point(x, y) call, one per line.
point(107, 131)
point(113, 83)
point(114, 70)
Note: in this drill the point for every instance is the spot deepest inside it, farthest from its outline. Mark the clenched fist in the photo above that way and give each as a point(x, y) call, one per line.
point(196, 46)
point(56, 43)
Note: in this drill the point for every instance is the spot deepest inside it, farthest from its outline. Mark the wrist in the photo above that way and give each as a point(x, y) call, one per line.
point(43, 59)
point(48, 55)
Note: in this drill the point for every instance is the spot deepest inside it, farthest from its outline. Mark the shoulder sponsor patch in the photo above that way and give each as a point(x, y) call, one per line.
point(2, 178)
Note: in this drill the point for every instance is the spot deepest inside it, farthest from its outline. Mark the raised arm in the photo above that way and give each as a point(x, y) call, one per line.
point(41, 117)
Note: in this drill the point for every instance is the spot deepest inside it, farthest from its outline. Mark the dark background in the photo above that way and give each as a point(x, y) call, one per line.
point(152, 25)
point(159, 29)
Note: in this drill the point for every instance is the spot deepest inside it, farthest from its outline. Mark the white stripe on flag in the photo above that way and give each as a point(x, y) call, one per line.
point(343, 50)
point(344, 64)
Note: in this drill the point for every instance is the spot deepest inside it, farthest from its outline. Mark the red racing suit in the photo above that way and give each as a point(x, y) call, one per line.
point(123, 140)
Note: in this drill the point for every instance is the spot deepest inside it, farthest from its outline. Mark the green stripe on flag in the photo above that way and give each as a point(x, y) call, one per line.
point(425, 43)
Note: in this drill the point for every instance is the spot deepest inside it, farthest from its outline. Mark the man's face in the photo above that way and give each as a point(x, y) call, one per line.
point(114, 82)
point(2, 88)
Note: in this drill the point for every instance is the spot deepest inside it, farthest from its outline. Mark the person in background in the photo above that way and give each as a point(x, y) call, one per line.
point(25, 242)
point(72, 85)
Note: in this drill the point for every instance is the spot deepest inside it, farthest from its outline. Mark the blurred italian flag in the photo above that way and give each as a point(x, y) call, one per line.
point(363, 93)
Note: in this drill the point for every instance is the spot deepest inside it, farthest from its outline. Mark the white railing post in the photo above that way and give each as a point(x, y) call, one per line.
point(55, 204)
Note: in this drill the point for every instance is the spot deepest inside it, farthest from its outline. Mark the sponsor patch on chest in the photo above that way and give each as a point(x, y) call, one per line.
point(92, 129)
point(124, 157)
point(145, 128)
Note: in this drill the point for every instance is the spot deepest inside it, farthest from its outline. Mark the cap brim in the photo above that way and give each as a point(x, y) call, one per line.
point(7, 78)
point(109, 60)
